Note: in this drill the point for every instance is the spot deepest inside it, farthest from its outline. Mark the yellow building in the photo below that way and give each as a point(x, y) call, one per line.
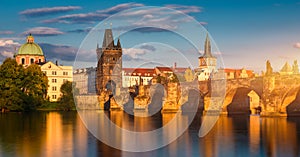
point(57, 75)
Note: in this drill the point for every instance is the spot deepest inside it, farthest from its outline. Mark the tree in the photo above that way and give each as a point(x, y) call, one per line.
point(35, 84)
point(11, 76)
point(21, 89)
point(66, 101)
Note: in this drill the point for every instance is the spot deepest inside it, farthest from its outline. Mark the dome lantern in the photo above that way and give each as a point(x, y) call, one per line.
point(30, 39)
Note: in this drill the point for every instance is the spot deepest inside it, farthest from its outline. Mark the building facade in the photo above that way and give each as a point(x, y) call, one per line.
point(109, 67)
point(237, 73)
point(57, 75)
point(85, 80)
point(30, 53)
point(139, 76)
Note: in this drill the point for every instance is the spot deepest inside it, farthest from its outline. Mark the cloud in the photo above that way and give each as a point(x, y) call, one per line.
point(297, 45)
point(148, 47)
point(154, 19)
point(120, 7)
point(6, 32)
point(62, 52)
point(7, 54)
point(135, 54)
point(92, 17)
point(100, 15)
point(67, 53)
point(78, 18)
point(185, 8)
point(48, 11)
point(43, 31)
point(7, 48)
point(8, 43)
point(86, 30)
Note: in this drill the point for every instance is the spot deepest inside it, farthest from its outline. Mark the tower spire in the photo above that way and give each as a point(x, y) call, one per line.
point(207, 47)
point(108, 41)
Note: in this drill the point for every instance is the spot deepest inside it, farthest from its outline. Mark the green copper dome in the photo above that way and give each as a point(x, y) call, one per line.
point(30, 48)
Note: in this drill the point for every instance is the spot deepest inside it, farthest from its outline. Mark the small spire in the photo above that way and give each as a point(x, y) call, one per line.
point(119, 43)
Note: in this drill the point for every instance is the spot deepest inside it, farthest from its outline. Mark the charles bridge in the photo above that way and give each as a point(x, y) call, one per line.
point(269, 95)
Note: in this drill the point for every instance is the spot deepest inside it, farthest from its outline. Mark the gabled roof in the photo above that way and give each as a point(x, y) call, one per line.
point(49, 65)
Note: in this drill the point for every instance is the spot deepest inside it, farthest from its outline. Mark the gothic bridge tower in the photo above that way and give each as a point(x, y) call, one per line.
point(109, 68)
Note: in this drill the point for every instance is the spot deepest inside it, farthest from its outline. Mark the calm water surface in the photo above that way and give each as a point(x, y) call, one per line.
point(49, 134)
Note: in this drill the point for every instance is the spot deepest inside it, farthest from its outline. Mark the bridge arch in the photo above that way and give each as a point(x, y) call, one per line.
point(291, 101)
point(241, 100)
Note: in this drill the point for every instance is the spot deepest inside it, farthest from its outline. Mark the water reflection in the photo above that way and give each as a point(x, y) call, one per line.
point(64, 134)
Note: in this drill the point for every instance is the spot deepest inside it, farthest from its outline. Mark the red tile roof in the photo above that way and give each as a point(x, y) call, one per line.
point(238, 72)
point(139, 72)
point(162, 69)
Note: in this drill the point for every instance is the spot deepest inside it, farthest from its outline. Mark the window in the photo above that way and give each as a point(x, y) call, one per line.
point(54, 80)
point(23, 60)
point(45, 72)
point(65, 73)
point(31, 61)
point(54, 88)
point(53, 72)
point(40, 60)
point(53, 96)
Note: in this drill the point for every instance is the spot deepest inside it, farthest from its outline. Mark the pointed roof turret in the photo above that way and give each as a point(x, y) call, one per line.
point(286, 68)
point(108, 40)
point(207, 48)
point(119, 43)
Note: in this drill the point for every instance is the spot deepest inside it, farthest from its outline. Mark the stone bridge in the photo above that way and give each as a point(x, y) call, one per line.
point(273, 95)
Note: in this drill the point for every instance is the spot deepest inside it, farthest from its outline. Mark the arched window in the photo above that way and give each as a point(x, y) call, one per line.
point(23, 60)
point(31, 61)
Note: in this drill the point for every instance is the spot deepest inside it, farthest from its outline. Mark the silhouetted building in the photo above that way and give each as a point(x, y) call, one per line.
point(109, 68)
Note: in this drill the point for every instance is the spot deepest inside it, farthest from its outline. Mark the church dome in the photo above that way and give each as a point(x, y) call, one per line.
point(30, 48)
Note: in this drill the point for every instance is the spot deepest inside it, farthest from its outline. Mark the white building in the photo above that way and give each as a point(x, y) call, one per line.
point(132, 76)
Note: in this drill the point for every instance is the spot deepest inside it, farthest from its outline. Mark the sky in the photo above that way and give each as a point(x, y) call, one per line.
point(244, 33)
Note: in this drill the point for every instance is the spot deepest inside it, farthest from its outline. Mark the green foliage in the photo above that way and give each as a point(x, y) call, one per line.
point(66, 101)
point(21, 89)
